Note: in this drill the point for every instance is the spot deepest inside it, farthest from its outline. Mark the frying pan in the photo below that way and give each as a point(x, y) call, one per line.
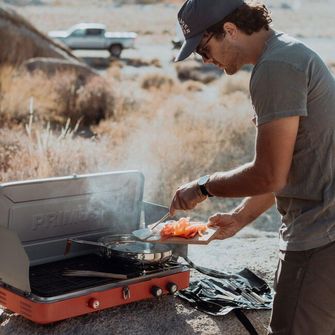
point(125, 247)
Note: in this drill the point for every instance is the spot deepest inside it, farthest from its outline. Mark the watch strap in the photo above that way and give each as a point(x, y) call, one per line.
point(203, 188)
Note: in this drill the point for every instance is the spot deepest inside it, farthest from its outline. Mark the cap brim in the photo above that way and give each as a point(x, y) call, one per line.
point(189, 46)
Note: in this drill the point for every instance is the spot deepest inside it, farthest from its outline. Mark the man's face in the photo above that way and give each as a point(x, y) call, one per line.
point(222, 51)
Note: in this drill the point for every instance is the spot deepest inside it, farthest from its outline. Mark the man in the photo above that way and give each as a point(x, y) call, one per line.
point(293, 95)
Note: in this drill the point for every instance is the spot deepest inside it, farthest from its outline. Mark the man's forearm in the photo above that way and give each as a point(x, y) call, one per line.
point(246, 180)
point(252, 207)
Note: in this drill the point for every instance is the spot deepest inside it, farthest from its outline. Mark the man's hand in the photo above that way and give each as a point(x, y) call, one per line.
point(246, 212)
point(186, 197)
point(228, 223)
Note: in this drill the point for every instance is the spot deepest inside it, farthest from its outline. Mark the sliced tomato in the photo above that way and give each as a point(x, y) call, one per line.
point(182, 228)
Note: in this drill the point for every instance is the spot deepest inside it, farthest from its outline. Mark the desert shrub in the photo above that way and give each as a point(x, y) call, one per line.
point(196, 71)
point(56, 98)
point(171, 134)
point(156, 62)
point(193, 86)
point(114, 71)
point(38, 152)
point(175, 138)
point(156, 81)
point(238, 82)
point(138, 62)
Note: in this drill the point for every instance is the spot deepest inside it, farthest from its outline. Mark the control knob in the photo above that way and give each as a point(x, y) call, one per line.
point(94, 303)
point(172, 288)
point(156, 291)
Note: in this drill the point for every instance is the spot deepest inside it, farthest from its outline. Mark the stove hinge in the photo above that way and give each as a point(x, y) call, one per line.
point(126, 293)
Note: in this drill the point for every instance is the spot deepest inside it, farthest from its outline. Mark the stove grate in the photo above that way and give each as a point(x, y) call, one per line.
point(46, 280)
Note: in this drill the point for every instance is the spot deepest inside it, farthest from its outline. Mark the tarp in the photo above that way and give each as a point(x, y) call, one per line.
point(220, 293)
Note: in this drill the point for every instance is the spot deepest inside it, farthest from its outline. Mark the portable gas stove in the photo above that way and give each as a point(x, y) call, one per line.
point(39, 218)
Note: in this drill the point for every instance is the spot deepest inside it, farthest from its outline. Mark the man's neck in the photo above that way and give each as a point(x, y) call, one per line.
point(256, 43)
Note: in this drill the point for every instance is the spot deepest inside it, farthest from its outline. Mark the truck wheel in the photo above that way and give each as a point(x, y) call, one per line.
point(115, 50)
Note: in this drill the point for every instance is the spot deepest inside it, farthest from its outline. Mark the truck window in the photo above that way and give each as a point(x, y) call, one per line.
point(78, 33)
point(94, 32)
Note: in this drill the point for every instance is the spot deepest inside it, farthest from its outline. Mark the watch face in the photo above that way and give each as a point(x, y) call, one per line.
point(203, 180)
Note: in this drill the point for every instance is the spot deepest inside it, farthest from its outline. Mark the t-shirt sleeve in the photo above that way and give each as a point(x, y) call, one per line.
point(278, 90)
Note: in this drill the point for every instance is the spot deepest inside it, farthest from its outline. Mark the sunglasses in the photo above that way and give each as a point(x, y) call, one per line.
point(203, 50)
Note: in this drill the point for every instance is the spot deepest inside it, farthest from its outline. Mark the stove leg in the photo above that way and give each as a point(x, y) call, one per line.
point(5, 315)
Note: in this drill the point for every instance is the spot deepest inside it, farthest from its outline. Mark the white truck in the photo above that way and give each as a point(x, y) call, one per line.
point(93, 36)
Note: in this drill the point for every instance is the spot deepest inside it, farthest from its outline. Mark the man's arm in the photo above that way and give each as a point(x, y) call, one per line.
point(252, 207)
point(269, 170)
point(249, 209)
point(267, 173)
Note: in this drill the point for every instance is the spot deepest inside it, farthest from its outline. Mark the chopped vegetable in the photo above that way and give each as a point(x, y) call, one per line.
point(182, 228)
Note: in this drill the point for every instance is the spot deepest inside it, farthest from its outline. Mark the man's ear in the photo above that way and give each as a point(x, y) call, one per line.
point(230, 29)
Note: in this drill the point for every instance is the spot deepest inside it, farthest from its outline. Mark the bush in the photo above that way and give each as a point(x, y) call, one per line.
point(56, 98)
point(156, 81)
point(197, 72)
point(237, 83)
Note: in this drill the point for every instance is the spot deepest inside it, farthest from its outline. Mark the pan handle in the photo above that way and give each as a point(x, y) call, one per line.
point(69, 242)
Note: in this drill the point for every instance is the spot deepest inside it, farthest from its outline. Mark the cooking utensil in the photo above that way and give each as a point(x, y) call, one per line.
point(117, 238)
point(125, 248)
point(87, 273)
point(144, 233)
point(138, 252)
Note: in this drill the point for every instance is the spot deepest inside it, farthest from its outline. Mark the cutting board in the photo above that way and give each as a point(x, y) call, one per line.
point(208, 236)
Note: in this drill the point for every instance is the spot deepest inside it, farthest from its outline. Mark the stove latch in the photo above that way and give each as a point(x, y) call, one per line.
point(126, 293)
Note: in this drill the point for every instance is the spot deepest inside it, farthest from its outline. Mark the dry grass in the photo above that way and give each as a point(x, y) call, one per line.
point(171, 131)
point(40, 153)
point(138, 62)
point(237, 83)
point(56, 98)
point(157, 81)
point(196, 71)
point(172, 136)
point(193, 86)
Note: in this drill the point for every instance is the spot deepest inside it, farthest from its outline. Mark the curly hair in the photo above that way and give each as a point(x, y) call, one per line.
point(249, 18)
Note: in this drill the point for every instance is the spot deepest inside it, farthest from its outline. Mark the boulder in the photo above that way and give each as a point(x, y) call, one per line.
point(33, 65)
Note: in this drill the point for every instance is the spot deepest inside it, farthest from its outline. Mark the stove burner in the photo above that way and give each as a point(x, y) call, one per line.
point(46, 280)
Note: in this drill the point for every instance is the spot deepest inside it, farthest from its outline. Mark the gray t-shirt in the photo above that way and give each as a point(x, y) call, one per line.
point(292, 80)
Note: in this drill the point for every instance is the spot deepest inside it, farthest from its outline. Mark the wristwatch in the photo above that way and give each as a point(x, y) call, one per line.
point(202, 181)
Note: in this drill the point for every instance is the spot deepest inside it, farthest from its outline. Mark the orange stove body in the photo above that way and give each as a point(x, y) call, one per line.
point(38, 217)
point(48, 312)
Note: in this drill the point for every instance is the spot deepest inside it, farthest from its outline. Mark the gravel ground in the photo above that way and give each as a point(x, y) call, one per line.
point(169, 315)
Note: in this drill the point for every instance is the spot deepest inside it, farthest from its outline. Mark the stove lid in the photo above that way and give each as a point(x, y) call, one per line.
point(14, 269)
point(44, 213)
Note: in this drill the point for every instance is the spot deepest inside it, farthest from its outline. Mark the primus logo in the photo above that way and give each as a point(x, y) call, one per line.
point(65, 218)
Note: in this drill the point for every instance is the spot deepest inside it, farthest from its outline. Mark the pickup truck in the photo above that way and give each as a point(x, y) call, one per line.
point(93, 36)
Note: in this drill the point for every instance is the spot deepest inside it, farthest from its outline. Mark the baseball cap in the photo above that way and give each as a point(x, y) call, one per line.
point(195, 16)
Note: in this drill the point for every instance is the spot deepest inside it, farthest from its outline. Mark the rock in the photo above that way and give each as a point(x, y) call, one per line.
point(51, 65)
point(63, 87)
point(23, 41)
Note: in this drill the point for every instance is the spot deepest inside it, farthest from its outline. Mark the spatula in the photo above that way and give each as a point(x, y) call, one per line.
point(144, 233)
